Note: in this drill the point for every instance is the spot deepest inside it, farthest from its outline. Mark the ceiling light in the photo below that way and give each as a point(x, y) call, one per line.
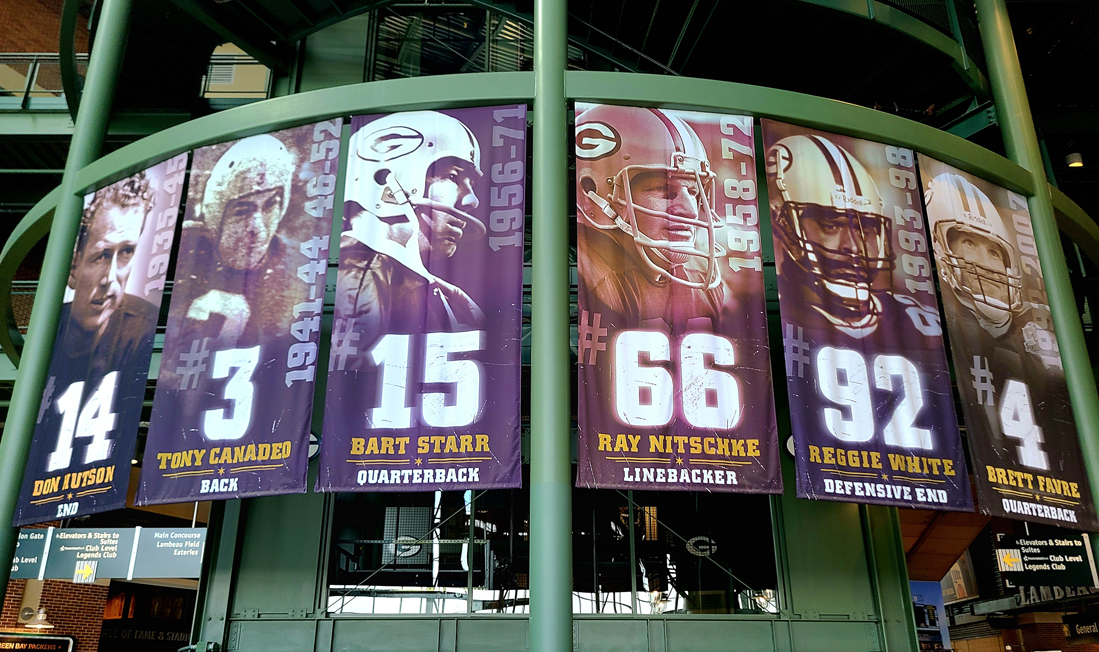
point(39, 621)
point(1074, 160)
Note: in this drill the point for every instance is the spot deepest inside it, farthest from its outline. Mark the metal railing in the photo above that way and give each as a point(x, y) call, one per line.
point(33, 80)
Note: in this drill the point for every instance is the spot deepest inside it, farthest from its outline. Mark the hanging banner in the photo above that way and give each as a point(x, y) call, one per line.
point(235, 393)
point(1019, 423)
point(675, 383)
point(869, 386)
point(423, 377)
point(79, 461)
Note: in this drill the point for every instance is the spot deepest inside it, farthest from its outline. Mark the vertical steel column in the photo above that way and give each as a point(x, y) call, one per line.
point(1021, 142)
point(87, 140)
point(550, 457)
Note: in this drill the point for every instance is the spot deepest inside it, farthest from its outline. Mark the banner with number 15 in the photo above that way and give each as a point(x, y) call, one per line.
point(235, 392)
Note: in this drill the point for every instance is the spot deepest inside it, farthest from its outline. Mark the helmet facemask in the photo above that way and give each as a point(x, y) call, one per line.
point(852, 275)
point(993, 295)
point(671, 253)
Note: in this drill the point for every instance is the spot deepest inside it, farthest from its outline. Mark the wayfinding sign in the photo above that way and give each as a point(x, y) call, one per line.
point(84, 555)
point(1062, 559)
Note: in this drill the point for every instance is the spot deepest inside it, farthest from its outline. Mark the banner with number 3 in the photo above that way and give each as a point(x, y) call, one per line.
point(870, 398)
point(235, 393)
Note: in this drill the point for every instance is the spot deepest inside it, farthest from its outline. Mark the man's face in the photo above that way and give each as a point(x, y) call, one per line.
point(248, 224)
point(837, 232)
point(981, 252)
point(664, 192)
point(449, 183)
point(99, 273)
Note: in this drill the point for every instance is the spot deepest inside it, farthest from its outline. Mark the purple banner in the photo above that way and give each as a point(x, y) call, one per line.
point(423, 377)
point(1022, 437)
point(235, 392)
point(79, 460)
point(870, 399)
point(675, 374)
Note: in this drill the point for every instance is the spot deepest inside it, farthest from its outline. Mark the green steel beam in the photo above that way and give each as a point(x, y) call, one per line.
point(38, 124)
point(70, 78)
point(91, 129)
point(809, 110)
point(550, 386)
point(1021, 143)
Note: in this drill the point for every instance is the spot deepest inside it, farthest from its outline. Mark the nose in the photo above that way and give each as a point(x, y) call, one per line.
point(112, 281)
point(850, 241)
point(469, 198)
point(681, 202)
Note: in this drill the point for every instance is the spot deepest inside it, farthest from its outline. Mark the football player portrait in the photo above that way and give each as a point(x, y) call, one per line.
point(645, 192)
point(865, 363)
point(835, 241)
point(411, 178)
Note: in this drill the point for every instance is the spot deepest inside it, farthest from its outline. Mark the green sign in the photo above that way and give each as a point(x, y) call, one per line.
point(83, 555)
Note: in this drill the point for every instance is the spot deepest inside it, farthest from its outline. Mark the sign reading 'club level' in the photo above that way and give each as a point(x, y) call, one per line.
point(423, 380)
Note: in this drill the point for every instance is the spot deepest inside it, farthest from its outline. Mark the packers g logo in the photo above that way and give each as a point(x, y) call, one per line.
point(390, 143)
point(596, 140)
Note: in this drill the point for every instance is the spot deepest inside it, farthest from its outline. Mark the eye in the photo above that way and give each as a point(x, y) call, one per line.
point(272, 201)
point(125, 254)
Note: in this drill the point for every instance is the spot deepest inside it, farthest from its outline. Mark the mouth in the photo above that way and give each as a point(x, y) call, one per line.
point(680, 233)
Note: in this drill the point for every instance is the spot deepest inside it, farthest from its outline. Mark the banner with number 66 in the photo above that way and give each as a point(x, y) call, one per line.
point(1022, 436)
point(423, 376)
point(235, 393)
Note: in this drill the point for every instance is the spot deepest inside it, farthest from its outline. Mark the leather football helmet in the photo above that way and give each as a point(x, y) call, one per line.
point(955, 208)
point(616, 143)
point(387, 169)
point(252, 165)
point(822, 182)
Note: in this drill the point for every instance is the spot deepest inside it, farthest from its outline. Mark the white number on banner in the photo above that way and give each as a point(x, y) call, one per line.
point(645, 394)
point(901, 430)
point(216, 424)
point(464, 375)
point(391, 354)
point(843, 379)
point(1017, 421)
point(701, 384)
point(95, 421)
point(841, 374)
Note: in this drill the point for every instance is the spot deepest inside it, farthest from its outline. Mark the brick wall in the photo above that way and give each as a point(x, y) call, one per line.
point(1050, 636)
point(74, 609)
point(35, 26)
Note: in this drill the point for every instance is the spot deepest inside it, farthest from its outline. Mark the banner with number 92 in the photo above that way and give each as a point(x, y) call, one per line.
point(235, 393)
point(869, 387)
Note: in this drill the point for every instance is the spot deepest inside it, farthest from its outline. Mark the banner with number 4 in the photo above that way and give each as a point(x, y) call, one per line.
point(235, 393)
point(1015, 399)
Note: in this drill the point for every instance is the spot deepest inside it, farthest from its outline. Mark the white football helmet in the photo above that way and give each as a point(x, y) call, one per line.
point(819, 180)
point(387, 169)
point(616, 143)
point(955, 206)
